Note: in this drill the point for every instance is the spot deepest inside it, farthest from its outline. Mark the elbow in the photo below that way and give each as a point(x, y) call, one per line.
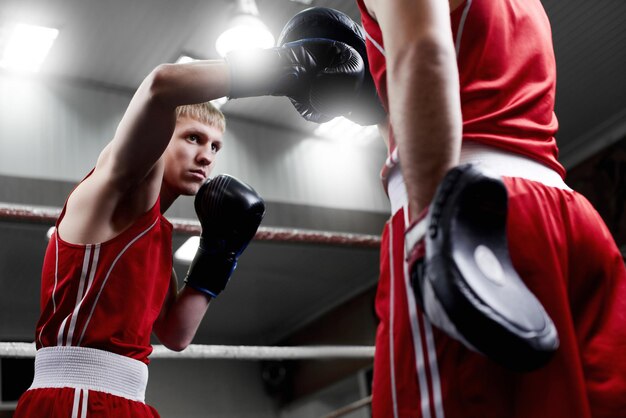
point(159, 84)
point(176, 346)
point(171, 338)
point(177, 341)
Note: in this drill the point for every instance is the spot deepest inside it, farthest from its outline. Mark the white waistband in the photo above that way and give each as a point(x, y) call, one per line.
point(396, 190)
point(508, 164)
point(496, 161)
point(89, 368)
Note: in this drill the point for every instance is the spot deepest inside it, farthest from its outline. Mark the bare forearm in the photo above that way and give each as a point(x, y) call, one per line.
point(423, 86)
point(177, 84)
point(425, 115)
point(179, 322)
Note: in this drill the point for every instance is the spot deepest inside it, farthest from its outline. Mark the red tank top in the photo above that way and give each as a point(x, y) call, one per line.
point(108, 295)
point(507, 76)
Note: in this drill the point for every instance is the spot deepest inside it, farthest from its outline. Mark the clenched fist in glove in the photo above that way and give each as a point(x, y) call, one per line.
point(230, 213)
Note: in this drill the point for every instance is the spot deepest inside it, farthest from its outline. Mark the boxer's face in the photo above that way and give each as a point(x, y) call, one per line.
point(190, 155)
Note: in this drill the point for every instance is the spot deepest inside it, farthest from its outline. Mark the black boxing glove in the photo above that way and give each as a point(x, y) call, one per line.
point(320, 76)
point(230, 213)
point(365, 107)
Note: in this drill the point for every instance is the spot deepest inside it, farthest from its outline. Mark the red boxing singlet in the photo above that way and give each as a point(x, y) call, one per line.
point(507, 75)
point(108, 295)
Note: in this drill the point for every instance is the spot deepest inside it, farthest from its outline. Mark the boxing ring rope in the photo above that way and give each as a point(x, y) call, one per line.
point(361, 403)
point(228, 352)
point(225, 352)
point(49, 215)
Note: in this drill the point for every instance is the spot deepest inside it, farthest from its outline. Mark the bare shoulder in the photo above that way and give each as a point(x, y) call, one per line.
point(100, 208)
point(371, 5)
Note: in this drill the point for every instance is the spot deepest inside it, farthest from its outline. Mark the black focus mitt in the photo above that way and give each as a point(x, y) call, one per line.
point(463, 277)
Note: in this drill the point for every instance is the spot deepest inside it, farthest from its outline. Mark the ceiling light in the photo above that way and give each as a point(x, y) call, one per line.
point(184, 59)
point(26, 46)
point(219, 102)
point(343, 129)
point(245, 30)
point(187, 251)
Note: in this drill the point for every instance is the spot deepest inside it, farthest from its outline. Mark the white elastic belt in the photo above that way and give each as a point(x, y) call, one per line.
point(89, 368)
point(396, 190)
point(493, 160)
point(508, 164)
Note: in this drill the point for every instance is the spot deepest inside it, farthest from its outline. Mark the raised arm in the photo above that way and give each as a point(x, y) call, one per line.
point(147, 126)
point(127, 177)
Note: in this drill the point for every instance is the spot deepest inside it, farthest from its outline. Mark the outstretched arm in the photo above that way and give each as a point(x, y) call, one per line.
point(148, 124)
point(127, 177)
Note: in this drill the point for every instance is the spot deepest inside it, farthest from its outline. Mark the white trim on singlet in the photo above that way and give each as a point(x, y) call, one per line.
point(83, 274)
point(56, 272)
point(106, 278)
point(83, 289)
point(392, 365)
point(378, 46)
point(459, 32)
point(61, 332)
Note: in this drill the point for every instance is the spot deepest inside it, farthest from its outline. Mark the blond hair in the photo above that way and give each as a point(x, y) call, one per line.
point(203, 112)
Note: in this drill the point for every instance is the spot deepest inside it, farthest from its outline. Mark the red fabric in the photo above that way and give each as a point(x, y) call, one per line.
point(393, 335)
point(107, 296)
point(69, 402)
point(507, 76)
point(568, 259)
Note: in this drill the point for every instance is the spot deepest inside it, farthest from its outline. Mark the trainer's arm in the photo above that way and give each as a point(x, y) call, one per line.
point(180, 316)
point(423, 87)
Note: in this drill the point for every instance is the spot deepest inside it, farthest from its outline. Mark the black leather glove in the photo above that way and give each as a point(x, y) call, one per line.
point(320, 76)
point(230, 213)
